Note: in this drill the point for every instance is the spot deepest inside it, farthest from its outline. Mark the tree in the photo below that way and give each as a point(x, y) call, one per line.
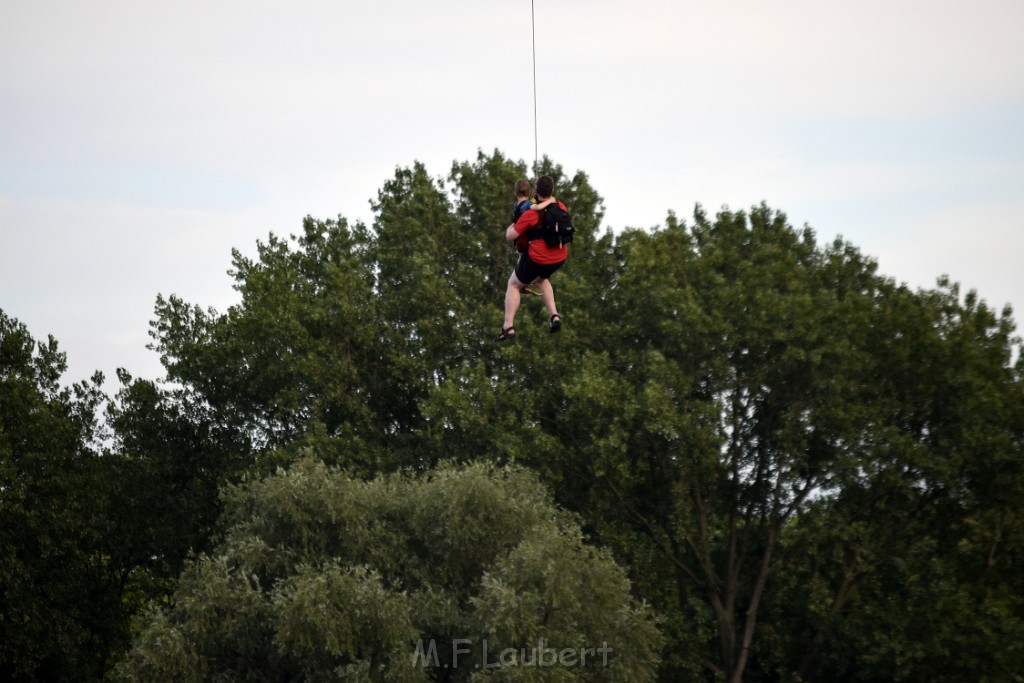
point(341, 332)
point(735, 387)
point(93, 525)
point(294, 351)
point(932, 524)
point(447, 576)
point(60, 599)
point(785, 448)
point(171, 457)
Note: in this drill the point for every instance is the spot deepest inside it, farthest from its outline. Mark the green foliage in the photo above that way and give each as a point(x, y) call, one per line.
point(735, 386)
point(297, 348)
point(767, 432)
point(325, 577)
point(172, 458)
point(809, 471)
point(59, 598)
point(342, 332)
point(915, 562)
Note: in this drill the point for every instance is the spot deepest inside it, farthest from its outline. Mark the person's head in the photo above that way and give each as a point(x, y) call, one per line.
point(545, 186)
point(522, 189)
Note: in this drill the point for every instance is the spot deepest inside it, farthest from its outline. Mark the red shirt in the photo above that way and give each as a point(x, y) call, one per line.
point(539, 251)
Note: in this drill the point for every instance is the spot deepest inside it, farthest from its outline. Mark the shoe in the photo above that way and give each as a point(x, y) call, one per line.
point(533, 289)
point(556, 323)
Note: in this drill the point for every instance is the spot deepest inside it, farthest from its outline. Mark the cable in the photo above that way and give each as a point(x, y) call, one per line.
point(533, 31)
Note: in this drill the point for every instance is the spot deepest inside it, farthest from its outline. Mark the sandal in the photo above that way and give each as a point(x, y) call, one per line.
point(507, 333)
point(556, 323)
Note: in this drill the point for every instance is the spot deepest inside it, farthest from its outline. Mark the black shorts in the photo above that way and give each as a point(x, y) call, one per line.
point(527, 270)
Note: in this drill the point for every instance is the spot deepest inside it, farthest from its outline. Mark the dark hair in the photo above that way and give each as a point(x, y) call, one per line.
point(522, 188)
point(545, 186)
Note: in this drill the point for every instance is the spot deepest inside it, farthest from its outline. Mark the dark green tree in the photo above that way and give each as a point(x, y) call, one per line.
point(800, 462)
point(736, 386)
point(60, 593)
point(171, 457)
point(912, 569)
point(342, 332)
point(295, 351)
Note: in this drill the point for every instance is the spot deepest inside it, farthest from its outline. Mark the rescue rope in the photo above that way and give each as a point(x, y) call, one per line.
point(533, 33)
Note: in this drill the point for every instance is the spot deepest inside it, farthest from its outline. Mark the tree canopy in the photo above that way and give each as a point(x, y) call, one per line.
point(324, 577)
point(808, 470)
point(59, 594)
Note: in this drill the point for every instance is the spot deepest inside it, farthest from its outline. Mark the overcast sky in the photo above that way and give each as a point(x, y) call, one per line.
point(140, 141)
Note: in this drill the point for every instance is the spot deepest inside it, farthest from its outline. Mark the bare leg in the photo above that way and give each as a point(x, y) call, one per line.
point(547, 295)
point(512, 300)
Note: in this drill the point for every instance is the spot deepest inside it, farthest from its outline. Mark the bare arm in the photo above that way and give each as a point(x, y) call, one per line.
point(543, 205)
point(511, 233)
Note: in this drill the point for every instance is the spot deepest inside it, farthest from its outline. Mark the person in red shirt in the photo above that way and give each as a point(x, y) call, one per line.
point(537, 264)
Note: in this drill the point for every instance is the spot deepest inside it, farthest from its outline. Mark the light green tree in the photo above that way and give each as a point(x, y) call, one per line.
point(447, 576)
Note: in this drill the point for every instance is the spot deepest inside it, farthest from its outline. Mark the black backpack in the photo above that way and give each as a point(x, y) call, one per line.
point(556, 226)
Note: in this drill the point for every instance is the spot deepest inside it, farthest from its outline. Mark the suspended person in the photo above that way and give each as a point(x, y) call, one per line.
point(523, 199)
point(524, 202)
point(537, 264)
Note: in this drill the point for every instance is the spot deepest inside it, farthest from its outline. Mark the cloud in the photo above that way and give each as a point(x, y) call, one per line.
point(799, 58)
point(89, 272)
point(977, 246)
point(141, 142)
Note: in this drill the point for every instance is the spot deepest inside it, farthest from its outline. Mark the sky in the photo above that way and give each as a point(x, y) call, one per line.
point(141, 141)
